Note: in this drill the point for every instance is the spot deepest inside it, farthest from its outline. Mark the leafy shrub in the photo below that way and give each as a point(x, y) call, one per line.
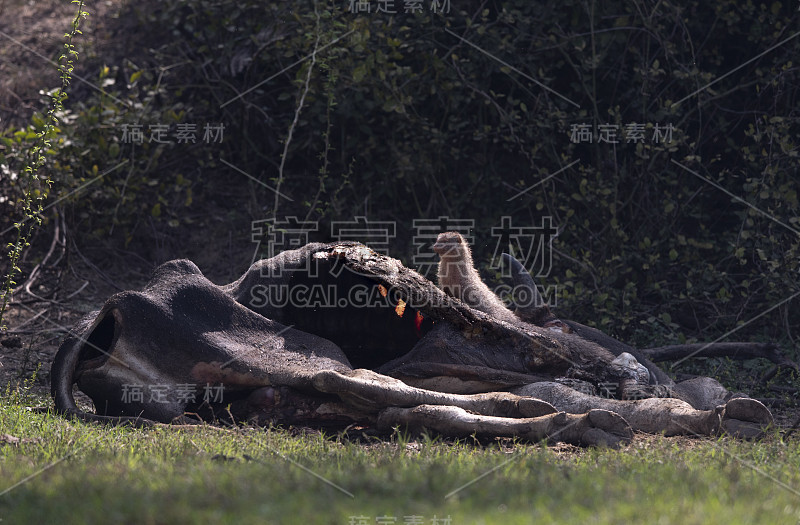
point(658, 241)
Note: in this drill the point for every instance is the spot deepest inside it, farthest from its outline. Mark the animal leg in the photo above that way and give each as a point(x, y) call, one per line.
point(595, 428)
point(742, 417)
point(371, 392)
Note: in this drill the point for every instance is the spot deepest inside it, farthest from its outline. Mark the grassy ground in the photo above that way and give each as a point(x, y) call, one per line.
point(68, 472)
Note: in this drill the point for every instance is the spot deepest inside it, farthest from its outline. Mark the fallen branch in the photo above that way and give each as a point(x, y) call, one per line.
point(28, 321)
point(733, 350)
point(784, 389)
point(775, 402)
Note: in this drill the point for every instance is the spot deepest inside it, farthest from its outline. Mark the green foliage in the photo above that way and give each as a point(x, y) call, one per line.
point(400, 119)
point(133, 188)
point(37, 146)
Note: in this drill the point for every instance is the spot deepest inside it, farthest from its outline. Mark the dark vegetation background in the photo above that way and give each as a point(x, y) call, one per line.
point(402, 120)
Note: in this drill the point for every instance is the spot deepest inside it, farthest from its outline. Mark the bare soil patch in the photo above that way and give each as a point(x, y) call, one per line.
point(31, 40)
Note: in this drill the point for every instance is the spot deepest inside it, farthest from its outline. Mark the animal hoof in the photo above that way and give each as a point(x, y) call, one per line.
point(606, 429)
point(532, 407)
point(746, 418)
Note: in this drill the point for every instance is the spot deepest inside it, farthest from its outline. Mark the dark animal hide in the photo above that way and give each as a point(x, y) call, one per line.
point(331, 335)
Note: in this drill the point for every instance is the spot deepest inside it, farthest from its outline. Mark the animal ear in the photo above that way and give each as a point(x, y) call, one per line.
point(532, 306)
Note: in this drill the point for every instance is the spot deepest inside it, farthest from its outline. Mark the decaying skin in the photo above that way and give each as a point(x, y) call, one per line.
point(397, 351)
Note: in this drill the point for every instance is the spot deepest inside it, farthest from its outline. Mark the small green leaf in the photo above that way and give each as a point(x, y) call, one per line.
point(359, 73)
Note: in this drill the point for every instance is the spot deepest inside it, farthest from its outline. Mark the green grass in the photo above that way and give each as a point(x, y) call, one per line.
point(210, 475)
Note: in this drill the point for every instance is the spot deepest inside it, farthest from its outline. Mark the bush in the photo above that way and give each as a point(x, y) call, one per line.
point(658, 240)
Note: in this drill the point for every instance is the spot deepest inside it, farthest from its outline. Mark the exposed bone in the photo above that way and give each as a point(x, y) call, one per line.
point(634, 377)
point(630, 367)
